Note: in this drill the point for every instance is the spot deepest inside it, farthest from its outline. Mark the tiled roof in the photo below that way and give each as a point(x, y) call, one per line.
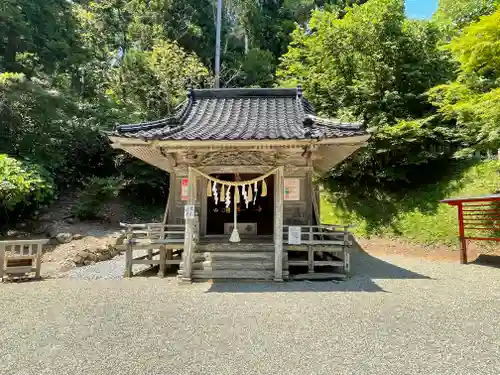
point(242, 114)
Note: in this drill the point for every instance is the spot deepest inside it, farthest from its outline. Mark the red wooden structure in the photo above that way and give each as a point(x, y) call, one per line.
point(478, 219)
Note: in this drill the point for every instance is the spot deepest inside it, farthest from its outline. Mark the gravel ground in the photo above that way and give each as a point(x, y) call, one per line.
point(108, 270)
point(396, 316)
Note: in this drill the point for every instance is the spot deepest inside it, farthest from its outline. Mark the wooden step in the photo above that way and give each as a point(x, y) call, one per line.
point(228, 265)
point(233, 274)
point(233, 265)
point(238, 247)
point(319, 276)
point(242, 257)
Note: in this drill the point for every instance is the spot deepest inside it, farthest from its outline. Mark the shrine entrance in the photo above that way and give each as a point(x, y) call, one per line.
point(254, 218)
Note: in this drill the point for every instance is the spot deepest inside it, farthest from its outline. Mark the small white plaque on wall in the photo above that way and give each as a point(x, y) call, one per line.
point(189, 211)
point(294, 235)
point(291, 189)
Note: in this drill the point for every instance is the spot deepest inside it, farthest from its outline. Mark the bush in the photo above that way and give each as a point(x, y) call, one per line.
point(23, 188)
point(415, 215)
point(144, 183)
point(96, 194)
point(54, 130)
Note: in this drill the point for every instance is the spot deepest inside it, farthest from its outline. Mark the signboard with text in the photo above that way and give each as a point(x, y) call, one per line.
point(184, 189)
point(294, 235)
point(189, 211)
point(292, 189)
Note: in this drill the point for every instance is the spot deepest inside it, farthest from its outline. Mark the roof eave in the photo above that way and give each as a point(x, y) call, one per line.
point(351, 139)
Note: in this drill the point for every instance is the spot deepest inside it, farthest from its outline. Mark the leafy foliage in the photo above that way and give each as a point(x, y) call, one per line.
point(37, 34)
point(154, 82)
point(23, 188)
point(142, 183)
point(374, 66)
point(414, 214)
point(43, 125)
point(473, 99)
point(460, 13)
point(98, 191)
point(73, 69)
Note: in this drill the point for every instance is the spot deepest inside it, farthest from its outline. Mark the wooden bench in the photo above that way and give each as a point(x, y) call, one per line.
point(159, 240)
point(25, 257)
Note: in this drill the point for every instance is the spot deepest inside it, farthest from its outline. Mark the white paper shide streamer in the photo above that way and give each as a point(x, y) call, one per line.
point(245, 195)
point(215, 193)
point(228, 197)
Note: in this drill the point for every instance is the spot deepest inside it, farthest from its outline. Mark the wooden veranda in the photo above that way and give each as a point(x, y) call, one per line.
point(318, 247)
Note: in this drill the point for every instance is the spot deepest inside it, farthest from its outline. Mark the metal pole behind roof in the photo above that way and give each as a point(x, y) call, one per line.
point(217, 43)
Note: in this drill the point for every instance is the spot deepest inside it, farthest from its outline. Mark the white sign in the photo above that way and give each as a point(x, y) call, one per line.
point(292, 189)
point(294, 235)
point(189, 211)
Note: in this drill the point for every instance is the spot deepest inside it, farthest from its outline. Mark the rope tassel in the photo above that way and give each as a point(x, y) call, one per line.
point(264, 189)
point(249, 195)
point(236, 195)
point(223, 193)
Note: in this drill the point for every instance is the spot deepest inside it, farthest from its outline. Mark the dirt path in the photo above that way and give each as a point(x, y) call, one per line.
point(476, 251)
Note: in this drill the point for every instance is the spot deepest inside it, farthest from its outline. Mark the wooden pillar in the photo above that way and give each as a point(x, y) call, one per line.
point(168, 208)
point(278, 224)
point(187, 254)
point(163, 256)
point(2, 260)
point(203, 207)
point(309, 191)
point(461, 234)
point(128, 254)
point(38, 264)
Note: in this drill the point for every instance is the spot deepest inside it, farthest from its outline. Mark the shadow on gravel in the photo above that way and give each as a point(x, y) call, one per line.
point(365, 269)
point(488, 260)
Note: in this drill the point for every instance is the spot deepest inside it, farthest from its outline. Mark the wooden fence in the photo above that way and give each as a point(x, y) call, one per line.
point(163, 244)
point(23, 257)
point(330, 242)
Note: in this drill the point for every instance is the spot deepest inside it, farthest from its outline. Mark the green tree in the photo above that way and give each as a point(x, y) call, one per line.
point(154, 82)
point(374, 66)
point(49, 128)
point(473, 99)
point(37, 34)
point(460, 13)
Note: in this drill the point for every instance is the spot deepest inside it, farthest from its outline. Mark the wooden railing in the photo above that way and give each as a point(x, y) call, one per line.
point(478, 219)
point(330, 242)
point(158, 240)
point(25, 256)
